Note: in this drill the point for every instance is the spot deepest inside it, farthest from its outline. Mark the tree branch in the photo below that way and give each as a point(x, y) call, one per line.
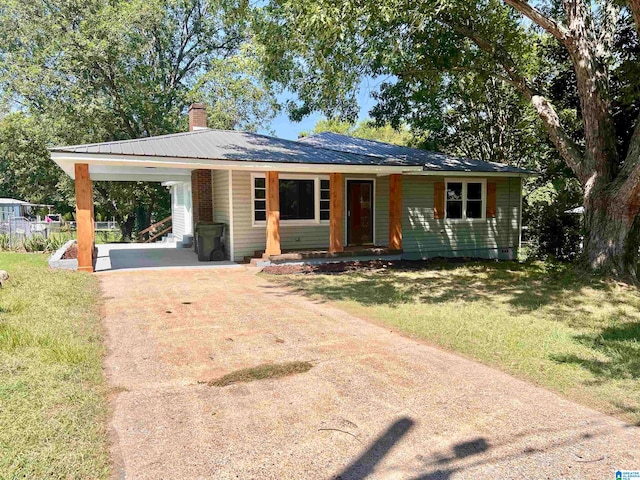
point(607, 27)
point(634, 5)
point(627, 184)
point(564, 143)
point(554, 28)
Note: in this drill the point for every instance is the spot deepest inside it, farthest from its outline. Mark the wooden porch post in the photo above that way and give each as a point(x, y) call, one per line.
point(395, 212)
point(84, 217)
point(336, 207)
point(273, 214)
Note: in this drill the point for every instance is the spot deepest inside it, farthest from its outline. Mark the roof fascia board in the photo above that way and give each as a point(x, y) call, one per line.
point(67, 159)
point(460, 173)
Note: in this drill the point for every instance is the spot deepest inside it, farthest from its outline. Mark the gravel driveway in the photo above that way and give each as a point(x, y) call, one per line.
point(374, 405)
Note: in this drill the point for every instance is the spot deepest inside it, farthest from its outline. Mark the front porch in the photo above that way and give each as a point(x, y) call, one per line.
point(347, 214)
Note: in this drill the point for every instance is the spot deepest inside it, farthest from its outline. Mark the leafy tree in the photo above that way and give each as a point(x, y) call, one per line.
point(96, 71)
point(324, 48)
point(364, 129)
point(26, 172)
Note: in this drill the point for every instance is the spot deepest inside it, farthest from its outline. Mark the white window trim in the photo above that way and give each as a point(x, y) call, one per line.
point(464, 182)
point(291, 176)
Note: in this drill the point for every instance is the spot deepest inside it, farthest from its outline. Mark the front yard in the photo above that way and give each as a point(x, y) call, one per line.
point(52, 396)
point(576, 334)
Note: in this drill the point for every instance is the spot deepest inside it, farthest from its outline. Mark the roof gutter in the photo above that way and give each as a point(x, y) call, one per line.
point(468, 173)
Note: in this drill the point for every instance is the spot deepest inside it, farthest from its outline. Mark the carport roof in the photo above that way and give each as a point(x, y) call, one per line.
point(323, 149)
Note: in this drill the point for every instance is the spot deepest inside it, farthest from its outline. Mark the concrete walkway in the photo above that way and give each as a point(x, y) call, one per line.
point(375, 405)
point(119, 256)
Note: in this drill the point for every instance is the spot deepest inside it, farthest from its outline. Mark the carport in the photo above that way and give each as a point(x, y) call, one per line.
point(108, 162)
point(112, 256)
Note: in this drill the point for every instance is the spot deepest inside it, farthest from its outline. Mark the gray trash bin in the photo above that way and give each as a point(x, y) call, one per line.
point(208, 244)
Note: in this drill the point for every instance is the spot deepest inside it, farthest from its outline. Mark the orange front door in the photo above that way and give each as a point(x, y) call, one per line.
point(359, 212)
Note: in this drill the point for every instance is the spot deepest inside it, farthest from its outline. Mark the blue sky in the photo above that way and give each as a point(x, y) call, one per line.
point(284, 128)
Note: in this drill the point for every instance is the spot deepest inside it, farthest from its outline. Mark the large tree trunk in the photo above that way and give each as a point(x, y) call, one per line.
point(612, 238)
point(126, 227)
point(611, 184)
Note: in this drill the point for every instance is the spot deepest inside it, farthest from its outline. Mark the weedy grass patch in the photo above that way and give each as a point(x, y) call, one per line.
point(261, 372)
point(53, 404)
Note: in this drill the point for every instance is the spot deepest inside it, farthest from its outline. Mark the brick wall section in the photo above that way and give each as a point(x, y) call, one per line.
point(201, 196)
point(197, 116)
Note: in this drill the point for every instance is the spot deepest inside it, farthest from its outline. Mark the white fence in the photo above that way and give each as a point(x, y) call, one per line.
point(18, 229)
point(98, 226)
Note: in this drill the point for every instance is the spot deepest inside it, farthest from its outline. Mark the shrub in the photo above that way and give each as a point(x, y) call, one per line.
point(57, 240)
point(112, 236)
point(4, 241)
point(550, 232)
point(35, 243)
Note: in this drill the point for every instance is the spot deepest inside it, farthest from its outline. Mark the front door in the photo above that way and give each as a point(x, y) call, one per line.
point(359, 212)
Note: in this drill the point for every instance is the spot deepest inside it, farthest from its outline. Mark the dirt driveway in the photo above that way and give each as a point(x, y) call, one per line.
point(374, 405)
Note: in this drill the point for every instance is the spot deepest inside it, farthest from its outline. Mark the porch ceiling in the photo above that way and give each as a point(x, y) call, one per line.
point(130, 173)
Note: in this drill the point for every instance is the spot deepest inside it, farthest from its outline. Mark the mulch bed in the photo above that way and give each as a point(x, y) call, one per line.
point(71, 252)
point(346, 267)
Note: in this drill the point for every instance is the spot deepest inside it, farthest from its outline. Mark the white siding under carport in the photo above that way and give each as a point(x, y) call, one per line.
point(181, 210)
point(221, 208)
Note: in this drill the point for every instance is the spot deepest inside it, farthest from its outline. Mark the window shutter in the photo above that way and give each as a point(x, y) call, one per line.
point(491, 200)
point(438, 200)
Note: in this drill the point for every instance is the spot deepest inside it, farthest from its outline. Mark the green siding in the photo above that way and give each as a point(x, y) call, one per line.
point(425, 237)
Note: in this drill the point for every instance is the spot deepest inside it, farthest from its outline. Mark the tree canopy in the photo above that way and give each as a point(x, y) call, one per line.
point(80, 71)
point(364, 129)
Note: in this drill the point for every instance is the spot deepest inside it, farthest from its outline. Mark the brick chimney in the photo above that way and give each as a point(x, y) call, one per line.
point(201, 193)
point(197, 116)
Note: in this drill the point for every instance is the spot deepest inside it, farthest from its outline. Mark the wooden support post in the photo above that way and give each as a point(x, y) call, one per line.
point(273, 214)
point(336, 207)
point(84, 217)
point(395, 212)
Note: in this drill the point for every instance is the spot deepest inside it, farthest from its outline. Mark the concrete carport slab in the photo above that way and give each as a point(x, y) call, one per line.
point(159, 256)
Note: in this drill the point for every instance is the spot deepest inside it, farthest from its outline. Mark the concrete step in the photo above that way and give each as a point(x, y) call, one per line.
point(259, 262)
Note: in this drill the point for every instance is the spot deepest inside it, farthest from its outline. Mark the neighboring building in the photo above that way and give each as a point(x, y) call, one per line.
point(12, 208)
point(324, 192)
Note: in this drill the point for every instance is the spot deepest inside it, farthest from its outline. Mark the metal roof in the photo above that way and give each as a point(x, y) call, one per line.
point(322, 149)
point(12, 201)
point(432, 161)
point(210, 144)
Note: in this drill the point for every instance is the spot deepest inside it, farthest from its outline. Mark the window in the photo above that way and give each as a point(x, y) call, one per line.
point(303, 199)
point(454, 200)
point(259, 199)
point(324, 200)
point(465, 199)
point(297, 200)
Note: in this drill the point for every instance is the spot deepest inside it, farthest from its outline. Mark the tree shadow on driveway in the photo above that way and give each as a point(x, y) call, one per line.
point(441, 465)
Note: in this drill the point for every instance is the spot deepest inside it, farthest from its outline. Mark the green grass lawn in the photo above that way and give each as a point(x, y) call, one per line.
point(573, 333)
point(53, 402)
